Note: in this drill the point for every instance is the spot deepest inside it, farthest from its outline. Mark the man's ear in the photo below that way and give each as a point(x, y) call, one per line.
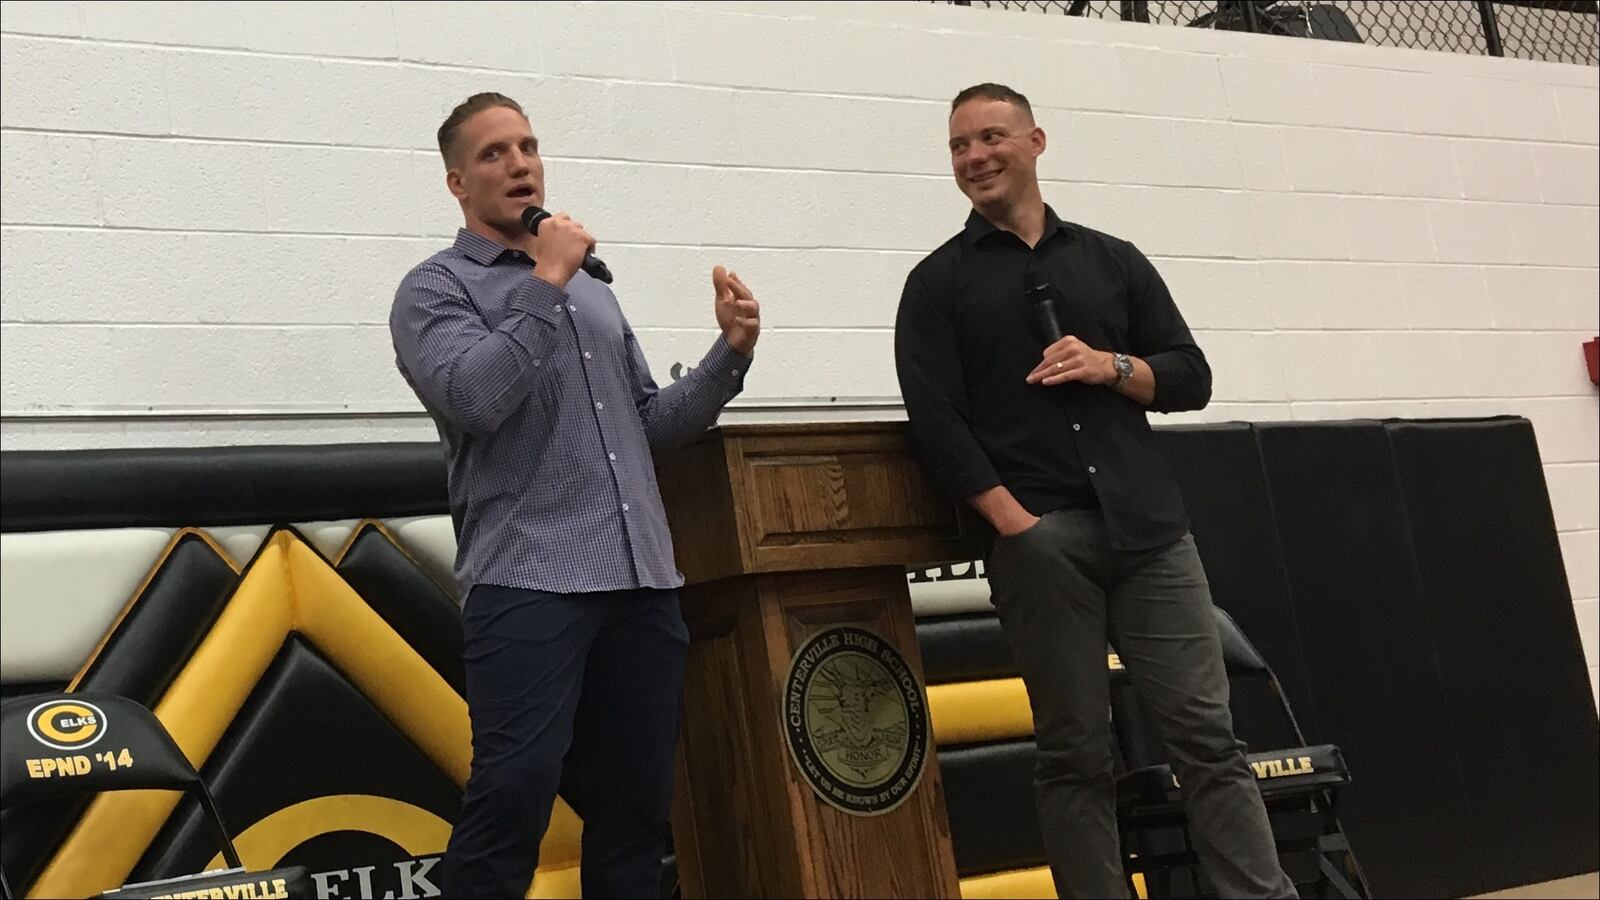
point(452, 180)
point(1037, 139)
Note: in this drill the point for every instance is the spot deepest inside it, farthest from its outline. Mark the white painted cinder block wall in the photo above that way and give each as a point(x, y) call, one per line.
point(206, 207)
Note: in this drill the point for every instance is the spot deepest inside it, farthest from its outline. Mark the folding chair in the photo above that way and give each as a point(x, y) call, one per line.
point(1299, 785)
point(54, 745)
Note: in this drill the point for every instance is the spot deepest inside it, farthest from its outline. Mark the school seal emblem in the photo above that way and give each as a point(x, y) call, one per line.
point(856, 720)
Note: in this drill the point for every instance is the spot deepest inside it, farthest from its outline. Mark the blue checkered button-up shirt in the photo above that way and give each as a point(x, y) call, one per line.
point(550, 416)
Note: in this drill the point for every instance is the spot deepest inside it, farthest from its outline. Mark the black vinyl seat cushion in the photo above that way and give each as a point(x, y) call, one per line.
point(1153, 791)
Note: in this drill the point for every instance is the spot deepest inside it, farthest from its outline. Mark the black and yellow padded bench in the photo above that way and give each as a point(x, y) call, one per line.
point(983, 728)
point(287, 614)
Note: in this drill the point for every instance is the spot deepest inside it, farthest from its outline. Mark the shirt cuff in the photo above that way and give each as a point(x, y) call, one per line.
point(540, 299)
point(1171, 375)
point(974, 482)
point(725, 364)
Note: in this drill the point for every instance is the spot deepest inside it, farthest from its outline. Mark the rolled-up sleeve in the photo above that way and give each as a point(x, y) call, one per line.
point(1159, 335)
point(472, 374)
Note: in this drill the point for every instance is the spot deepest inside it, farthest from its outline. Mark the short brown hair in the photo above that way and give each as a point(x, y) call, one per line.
point(470, 107)
point(991, 91)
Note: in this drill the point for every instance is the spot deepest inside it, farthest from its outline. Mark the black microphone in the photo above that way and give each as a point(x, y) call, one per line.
point(1042, 295)
point(533, 215)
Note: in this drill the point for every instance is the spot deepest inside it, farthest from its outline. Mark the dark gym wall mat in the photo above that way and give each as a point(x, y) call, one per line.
point(1516, 684)
point(1370, 660)
point(1218, 468)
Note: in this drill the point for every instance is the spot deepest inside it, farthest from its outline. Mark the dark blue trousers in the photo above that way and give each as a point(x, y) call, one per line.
point(577, 693)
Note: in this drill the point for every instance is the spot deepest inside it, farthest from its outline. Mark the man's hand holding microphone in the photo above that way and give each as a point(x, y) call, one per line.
point(560, 247)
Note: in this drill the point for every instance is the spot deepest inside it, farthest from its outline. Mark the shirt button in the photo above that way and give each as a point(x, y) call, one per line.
point(1076, 427)
point(611, 456)
point(558, 307)
point(599, 406)
point(536, 364)
point(624, 507)
point(571, 308)
point(1091, 470)
point(586, 355)
point(735, 373)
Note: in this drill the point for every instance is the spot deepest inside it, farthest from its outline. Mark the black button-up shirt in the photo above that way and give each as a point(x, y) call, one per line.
point(966, 338)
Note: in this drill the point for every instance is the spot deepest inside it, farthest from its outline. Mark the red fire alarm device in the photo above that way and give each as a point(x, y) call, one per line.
point(1591, 354)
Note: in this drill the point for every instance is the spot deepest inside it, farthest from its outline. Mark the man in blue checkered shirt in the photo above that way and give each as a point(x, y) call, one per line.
point(573, 641)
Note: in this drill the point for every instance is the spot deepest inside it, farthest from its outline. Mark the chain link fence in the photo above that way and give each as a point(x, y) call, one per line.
point(1555, 31)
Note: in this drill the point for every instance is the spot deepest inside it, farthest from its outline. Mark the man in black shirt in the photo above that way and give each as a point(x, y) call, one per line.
point(1045, 435)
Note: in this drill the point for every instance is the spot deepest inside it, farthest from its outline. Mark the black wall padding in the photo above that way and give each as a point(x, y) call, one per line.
point(1259, 718)
point(1516, 685)
point(144, 654)
point(966, 647)
point(1218, 468)
point(152, 643)
point(42, 490)
point(1370, 656)
point(412, 603)
point(988, 792)
point(303, 733)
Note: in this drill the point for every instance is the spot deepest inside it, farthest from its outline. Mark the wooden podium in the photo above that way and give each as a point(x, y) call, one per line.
point(785, 533)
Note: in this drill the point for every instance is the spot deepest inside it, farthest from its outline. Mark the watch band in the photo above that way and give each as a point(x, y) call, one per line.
point(1124, 367)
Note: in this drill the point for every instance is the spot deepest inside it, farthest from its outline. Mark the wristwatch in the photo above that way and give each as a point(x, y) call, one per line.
point(1124, 367)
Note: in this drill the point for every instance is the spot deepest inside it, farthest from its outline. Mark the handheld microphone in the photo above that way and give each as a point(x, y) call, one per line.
point(533, 215)
point(1042, 295)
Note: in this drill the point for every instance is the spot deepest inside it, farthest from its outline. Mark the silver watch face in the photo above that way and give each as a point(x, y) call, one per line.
point(1123, 365)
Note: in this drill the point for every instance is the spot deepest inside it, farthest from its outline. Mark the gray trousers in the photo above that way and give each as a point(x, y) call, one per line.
point(1061, 592)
